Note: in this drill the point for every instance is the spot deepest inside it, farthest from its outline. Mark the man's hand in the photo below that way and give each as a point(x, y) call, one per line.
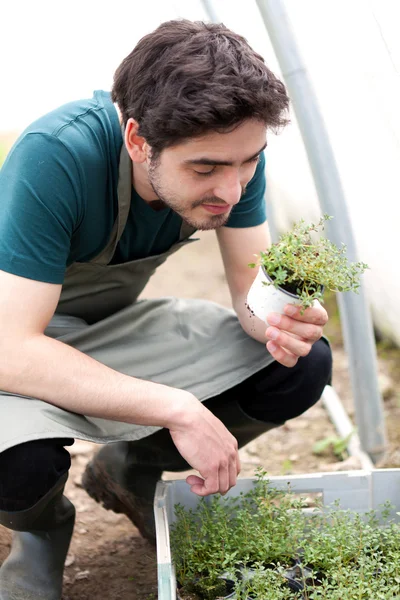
point(207, 445)
point(292, 335)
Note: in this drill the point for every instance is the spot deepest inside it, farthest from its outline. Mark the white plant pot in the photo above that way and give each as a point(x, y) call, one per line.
point(263, 299)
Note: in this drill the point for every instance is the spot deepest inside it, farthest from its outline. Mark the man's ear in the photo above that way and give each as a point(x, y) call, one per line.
point(138, 148)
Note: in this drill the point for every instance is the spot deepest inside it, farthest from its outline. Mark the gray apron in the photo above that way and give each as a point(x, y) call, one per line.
point(193, 345)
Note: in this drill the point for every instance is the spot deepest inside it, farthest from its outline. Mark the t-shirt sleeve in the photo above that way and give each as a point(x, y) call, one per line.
point(40, 207)
point(250, 210)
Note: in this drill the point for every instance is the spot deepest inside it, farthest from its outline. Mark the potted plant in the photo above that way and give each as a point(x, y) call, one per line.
point(263, 544)
point(298, 269)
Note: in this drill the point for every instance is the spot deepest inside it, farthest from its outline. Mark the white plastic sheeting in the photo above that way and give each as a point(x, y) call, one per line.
point(54, 53)
point(352, 52)
point(353, 58)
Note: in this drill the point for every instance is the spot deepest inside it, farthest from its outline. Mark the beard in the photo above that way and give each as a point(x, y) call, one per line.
point(179, 206)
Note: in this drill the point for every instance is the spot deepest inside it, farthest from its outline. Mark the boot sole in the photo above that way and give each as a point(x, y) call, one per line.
point(102, 489)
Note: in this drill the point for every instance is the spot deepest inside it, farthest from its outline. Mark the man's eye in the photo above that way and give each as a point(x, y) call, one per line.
point(204, 173)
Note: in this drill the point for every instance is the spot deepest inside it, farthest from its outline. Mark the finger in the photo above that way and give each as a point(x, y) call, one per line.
point(281, 355)
point(303, 330)
point(209, 484)
point(228, 471)
point(194, 480)
point(296, 346)
point(199, 489)
point(196, 484)
point(234, 466)
point(238, 465)
point(233, 471)
point(297, 337)
point(224, 478)
point(314, 314)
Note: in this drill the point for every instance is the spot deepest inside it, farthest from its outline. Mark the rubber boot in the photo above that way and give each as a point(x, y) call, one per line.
point(42, 534)
point(123, 475)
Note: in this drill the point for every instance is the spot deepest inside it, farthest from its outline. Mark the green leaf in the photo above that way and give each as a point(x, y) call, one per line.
point(316, 263)
point(321, 445)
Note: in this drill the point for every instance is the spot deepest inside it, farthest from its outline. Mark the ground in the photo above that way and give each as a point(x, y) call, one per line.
point(108, 560)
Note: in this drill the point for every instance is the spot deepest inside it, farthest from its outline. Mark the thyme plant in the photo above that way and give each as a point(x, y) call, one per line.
point(267, 547)
point(305, 266)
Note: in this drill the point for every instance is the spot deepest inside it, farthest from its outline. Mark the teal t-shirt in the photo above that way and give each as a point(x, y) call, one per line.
point(58, 196)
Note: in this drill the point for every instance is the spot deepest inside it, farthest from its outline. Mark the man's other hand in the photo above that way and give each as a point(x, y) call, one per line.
point(292, 335)
point(207, 445)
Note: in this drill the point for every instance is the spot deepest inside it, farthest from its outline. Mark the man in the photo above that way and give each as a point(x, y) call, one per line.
point(94, 196)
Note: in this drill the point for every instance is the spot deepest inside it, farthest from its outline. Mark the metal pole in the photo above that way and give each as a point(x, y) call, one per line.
point(345, 427)
point(355, 315)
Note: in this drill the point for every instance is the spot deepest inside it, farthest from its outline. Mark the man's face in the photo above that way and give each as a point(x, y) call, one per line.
point(203, 178)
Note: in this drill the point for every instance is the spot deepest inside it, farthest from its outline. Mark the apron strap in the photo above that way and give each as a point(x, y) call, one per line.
point(186, 231)
point(124, 203)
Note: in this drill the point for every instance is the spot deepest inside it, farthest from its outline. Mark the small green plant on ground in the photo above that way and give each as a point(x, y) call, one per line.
point(303, 266)
point(269, 548)
point(338, 445)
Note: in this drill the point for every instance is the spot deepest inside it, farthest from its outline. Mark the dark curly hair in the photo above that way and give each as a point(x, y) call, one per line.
point(188, 78)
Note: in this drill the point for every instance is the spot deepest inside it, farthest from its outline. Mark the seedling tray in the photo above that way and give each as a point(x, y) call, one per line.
point(360, 491)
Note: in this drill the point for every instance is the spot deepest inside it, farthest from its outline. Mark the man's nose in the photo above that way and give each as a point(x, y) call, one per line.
point(229, 189)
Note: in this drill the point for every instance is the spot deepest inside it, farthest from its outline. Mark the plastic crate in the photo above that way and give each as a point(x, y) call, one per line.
point(360, 491)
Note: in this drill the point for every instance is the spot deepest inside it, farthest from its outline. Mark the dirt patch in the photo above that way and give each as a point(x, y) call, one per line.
point(108, 559)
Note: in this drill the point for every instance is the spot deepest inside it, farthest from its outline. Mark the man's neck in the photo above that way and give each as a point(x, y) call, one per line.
point(140, 180)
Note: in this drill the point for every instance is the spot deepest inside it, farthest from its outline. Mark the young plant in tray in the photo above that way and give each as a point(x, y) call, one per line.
point(264, 545)
point(297, 269)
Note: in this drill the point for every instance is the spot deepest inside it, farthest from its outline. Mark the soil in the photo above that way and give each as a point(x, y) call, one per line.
point(108, 559)
point(293, 286)
point(290, 288)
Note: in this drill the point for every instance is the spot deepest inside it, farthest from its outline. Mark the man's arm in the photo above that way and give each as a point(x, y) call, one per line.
point(36, 365)
point(238, 248)
point(289, 336)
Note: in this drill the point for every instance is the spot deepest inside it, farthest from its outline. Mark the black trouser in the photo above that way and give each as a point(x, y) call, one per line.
point(274, 394)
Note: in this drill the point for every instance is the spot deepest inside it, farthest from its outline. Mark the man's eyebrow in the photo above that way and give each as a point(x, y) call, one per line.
point(213, 162)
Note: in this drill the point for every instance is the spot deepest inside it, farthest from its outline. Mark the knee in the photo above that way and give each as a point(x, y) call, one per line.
point(311, 374)
point(28, 471)
point(318, 365)
point(282, 393)
point(318, 362)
